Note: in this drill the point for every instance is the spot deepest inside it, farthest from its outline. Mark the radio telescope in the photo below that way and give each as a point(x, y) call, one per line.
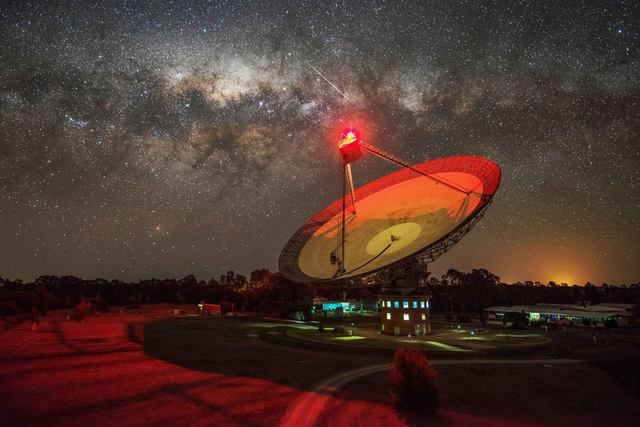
point(394, 225)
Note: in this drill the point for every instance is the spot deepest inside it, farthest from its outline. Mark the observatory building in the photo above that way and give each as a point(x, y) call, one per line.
point(387, 231)
point(405, 315)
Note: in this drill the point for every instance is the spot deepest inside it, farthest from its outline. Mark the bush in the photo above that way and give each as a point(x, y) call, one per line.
point(98, 305)
point(518, 320)
point(610, 323)
point(412, 382)
point(483, 319)
point(83, 312)
point(9, 308)
point(338, 329)
point(133, 307)
point(226, 307)
point(4, 327)
point(463, 318)
point(11, 322)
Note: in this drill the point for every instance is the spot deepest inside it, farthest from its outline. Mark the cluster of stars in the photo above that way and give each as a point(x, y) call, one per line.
point(168, 138)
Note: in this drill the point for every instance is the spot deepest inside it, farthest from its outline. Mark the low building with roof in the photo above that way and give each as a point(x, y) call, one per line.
point(568, 313)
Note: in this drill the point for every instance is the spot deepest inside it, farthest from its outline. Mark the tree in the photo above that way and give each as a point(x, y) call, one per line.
point(518, 320)
point(412, 381)
point(83, 313)
point(98, 305)
point(286, 300)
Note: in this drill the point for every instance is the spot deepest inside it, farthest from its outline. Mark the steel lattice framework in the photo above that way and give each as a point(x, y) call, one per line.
point(480, 179)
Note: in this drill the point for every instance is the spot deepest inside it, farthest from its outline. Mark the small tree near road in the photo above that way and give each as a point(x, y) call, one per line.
point(413, 382)
point(83, 312)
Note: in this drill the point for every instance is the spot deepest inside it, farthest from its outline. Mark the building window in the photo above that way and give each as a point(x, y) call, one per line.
point(396, 304)
point(424, 316)
point(406, 316)
point(427, 304)
point(383, 304)
point(415, 304)
point(405, 304)
point(388, 304)
point(388, 316)
point(421, 304)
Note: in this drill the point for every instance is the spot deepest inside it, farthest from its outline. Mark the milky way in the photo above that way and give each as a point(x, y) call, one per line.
point(158, 139)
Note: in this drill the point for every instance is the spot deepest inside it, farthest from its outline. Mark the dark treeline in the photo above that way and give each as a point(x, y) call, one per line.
point(263, 292)
point(270, 294)
point(471, 292)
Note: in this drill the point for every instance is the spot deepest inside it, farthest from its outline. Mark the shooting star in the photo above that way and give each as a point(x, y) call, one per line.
point(327, 80)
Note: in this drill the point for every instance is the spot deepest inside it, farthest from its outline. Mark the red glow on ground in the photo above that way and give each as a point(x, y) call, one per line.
point(100, 376)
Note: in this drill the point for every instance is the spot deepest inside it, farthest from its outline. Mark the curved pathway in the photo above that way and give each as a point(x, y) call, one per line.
point(305, 410)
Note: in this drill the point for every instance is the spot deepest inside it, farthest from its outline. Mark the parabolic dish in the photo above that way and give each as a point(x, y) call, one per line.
point(397, 217)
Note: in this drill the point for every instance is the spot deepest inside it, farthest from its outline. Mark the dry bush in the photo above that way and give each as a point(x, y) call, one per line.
point(413, 382)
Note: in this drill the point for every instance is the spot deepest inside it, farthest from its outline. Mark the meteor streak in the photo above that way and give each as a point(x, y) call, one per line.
point(327, 80)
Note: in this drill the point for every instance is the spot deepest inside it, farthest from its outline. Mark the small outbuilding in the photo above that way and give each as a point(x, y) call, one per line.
point(209, 309)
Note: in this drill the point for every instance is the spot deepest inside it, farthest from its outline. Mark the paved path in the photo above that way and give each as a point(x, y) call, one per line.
point(306, 409)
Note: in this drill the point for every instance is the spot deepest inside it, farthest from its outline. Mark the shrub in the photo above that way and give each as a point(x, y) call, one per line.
point(83, 313)
point(4, 327)
point(98, 305)
point(9, 308)
point(11, 322)
point(338, 329)
point(463, 318)
point(586, 322)
point(483, 319)
point(518, 320)
point(226, 307)
point(412, 382)
point(610, 323)
point(132, 307)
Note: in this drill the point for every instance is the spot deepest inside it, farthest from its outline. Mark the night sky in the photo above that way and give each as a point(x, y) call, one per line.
point(163, 138)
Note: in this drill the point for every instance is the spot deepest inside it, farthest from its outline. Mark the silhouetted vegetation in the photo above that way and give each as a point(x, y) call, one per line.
point(412, 382)
point(516, 320)
point(272, 295)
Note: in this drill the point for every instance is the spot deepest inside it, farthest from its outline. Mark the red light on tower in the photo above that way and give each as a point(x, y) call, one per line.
point(349, 147)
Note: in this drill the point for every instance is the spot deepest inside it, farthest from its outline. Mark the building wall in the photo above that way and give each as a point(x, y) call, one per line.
point(405, 319)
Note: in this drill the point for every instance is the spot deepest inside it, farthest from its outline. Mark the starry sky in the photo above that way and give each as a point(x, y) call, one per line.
point(162, 138)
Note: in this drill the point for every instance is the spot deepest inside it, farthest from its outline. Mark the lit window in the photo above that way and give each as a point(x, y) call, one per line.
point(427, 304)
point(424, 316)
point(396, 304)
point(388, 316)
point(421, 304)
point(406, 316)
point(415, 304)
point(382, 303)
point(405, 304)
point(389, 304)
